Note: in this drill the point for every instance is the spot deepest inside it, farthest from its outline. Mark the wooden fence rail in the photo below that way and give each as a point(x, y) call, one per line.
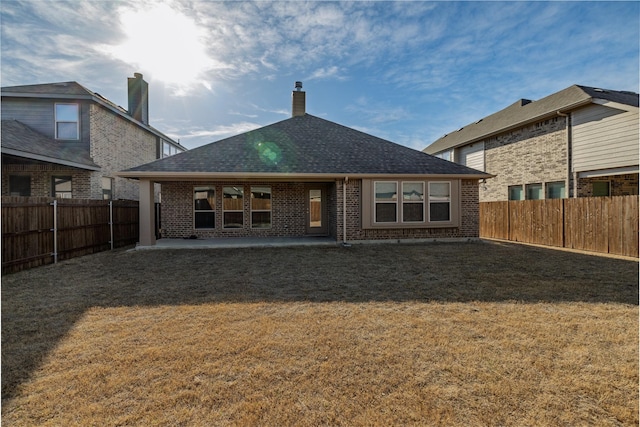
point(596, 224)
point(43, 230)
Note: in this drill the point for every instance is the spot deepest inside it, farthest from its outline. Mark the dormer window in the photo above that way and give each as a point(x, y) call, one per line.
point(67, 123)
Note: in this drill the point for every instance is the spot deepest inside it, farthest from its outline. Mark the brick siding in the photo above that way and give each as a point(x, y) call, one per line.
point(529, 155)
point(41, 175)
point(289, 215)
point(621, 185)
point(118, 144)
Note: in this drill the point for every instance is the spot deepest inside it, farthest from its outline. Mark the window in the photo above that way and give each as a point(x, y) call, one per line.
point(67, 121)
point(19, 185)
point(534, 191)
point(232, 207)
point(412, 201)
point(107, 188)
point(601, 188)
point(260, 207)
point(204, 207)
point(439, 201)
point(445, 155)
point(515, 192)
point(555, 190)
point(61, 187)
point(386, 202)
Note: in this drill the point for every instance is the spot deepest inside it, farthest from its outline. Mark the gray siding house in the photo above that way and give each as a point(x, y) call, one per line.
point(581, 141)
point(63, 140)
point(306, 176)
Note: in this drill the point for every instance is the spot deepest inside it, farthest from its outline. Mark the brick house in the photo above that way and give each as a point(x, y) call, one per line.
point(306, 176)
point(63, 140)
point(578, 142)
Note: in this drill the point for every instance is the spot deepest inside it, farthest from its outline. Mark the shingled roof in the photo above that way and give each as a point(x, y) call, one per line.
point(303, 145)
point(20, 140)
point(526, 111)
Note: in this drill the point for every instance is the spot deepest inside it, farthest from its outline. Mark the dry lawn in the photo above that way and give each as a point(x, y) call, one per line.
point(438, 334)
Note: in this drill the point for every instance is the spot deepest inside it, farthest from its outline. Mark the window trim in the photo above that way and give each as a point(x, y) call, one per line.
point(547, 187)
point(528, 186)
point(212, 210)
point(515, 186)
point(367, 212)
point(413, 202)
point(439, 201)
point(224, 225)
point(376, 202)
point(63, 179)
point(56, 121)
point(252, 210)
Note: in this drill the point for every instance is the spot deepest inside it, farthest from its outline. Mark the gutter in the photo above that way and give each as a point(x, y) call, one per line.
point(279, 176)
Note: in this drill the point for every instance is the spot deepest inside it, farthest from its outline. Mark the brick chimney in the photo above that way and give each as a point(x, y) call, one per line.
point(138, 98)
point(298, 102)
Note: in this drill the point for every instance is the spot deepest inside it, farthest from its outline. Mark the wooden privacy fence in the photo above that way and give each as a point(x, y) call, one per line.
point(596, 224)
point(44, 230)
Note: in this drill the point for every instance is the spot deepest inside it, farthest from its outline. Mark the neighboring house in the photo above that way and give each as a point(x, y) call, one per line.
point(581, 141)
point(309, 176)
point(63, 140)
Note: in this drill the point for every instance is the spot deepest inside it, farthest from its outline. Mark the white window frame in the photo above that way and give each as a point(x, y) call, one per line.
point(63, 180)
point(415, 202)
point(375, 203)
point(239, 188)
point(528, 187)
point(433, 200)
point(255, 189)
point(206, 188)
point(515, 186)
point(77, 121)
point(549, 185)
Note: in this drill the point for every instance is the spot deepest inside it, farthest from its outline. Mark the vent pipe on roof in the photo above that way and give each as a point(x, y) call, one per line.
point(298, 101)
point(138, 98)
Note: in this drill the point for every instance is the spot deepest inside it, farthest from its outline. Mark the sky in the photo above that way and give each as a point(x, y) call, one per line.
point(406, 71)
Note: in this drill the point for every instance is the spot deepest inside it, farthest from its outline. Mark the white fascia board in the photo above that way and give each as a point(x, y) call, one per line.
point(608, 172)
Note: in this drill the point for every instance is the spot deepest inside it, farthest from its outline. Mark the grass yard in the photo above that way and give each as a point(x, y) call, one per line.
point(436, 334)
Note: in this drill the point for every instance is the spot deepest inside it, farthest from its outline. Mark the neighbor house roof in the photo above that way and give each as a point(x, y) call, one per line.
point(20, 140)
point(74, 90)
point(526, 111)
point(302, 146)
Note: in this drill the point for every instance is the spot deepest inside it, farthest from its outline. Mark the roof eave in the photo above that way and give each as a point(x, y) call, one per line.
point(517, 125)
point(48, 159)
point(248, 176)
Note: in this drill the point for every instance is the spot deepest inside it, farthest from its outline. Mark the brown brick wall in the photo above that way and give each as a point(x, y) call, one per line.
point(41, 175)
point(621, 185)
point(529, 155)
point(288, 213)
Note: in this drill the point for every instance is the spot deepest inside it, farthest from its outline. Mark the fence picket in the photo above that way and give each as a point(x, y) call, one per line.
point(596, 224)
point(81, 227)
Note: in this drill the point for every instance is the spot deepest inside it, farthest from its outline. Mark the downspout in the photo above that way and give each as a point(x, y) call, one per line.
point(344, 212)
point(570, 188)
point(567, 117)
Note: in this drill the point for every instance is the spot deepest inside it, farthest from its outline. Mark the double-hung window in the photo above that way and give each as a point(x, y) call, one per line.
point(232, 207)
point(386, 202)
point(204, 213)
point(412, 201)
point(67, 121)
point(260, 207)
point(439, 201)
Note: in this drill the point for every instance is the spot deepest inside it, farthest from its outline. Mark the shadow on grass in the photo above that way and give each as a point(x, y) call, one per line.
point(40, 306)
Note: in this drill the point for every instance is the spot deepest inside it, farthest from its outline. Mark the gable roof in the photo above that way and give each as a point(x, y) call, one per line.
point(74, 90)
point(22, 141)
point(526, 111)
point(301, 146)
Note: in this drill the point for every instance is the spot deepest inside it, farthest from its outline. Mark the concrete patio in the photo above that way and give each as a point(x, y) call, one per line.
point(240, 242)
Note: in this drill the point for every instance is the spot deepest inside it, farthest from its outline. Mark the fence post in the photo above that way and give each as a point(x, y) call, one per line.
point(55, 231)
point(111, 222)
